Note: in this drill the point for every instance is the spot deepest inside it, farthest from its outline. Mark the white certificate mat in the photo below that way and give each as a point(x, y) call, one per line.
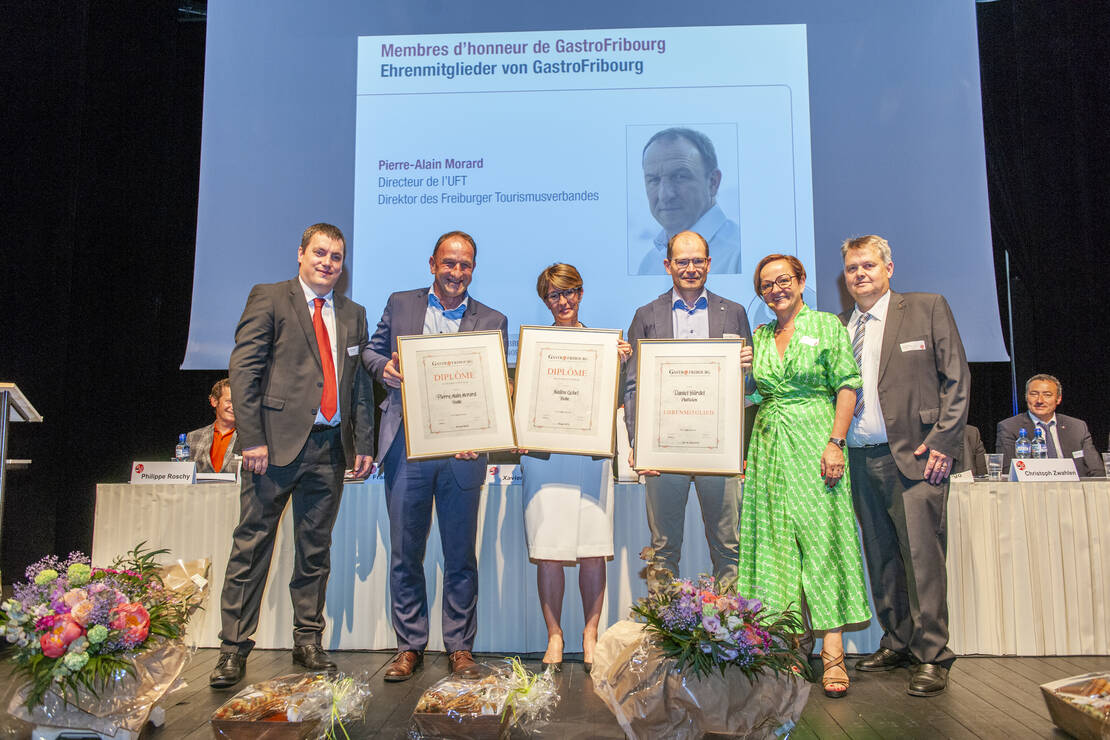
point(455, 394)
point(566, 389)
point(690, 406)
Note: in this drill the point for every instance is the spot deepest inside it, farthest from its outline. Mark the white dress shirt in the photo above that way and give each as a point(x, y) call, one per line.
point(870, 428)
point(439, 321)
point(327, 312)
point(1049, 428)
point(689, 323)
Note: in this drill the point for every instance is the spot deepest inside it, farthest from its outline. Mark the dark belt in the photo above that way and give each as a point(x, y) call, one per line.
point(870, 447)
point(317, 428)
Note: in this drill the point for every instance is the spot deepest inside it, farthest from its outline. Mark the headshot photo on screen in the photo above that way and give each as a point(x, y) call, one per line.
point(683, 177)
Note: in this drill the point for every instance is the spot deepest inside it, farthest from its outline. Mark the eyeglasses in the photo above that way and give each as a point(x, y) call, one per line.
point(783, 281)
point(682, 264)
point(570, 295)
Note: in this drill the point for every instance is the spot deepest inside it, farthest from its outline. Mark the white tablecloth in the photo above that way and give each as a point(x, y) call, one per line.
point(198, 521)
point(1029, 568)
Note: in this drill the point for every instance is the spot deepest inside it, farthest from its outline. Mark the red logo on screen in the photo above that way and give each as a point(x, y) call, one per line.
point(1020, 465)
point(139, 468)
point(493, 470)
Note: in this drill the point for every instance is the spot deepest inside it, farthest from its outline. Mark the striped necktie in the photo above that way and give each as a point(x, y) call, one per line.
point(1050, 446)
point(857, 350)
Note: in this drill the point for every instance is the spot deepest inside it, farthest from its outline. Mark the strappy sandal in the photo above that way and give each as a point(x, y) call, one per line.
point(832, 663)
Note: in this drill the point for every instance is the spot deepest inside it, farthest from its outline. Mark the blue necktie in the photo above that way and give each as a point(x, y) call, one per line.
point(1050, 446)
point(453, 315)
point(698, 304)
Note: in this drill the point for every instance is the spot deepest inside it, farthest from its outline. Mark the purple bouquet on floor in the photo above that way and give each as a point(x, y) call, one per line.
point(704, 626)
point(77, 627)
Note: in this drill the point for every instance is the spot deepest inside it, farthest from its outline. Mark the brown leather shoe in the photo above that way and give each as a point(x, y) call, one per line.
point(462, 664)
point(403, 665)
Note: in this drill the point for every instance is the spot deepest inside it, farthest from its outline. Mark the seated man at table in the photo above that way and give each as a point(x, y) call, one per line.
point(972, 457)
point(212, 447)
point(1065, 436)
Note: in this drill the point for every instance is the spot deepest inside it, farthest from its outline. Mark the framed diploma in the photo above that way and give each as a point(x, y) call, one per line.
point(455, 394)
point(690, 406)
point(566, 389)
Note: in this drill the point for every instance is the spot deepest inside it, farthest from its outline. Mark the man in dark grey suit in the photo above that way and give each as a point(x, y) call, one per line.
point(688, 311)
point(222, 432)
point(411, 486)
point(1065, 436)
point(304, 407)
point(907, 432)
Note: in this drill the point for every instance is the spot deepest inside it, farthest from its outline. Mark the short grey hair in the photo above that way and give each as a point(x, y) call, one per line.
point(1047, 378)
point(862, 242)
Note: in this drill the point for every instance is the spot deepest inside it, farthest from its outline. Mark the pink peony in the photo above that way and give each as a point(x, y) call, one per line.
point(82, 611)
point(55, 642)
point(132, 620)
point(75, 596)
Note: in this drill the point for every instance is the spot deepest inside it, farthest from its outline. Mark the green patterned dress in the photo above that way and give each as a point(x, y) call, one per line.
point(796, 534)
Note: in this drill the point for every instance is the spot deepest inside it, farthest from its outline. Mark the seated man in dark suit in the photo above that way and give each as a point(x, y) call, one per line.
point(212, 447)
point(1065, 436)
point(972, 457)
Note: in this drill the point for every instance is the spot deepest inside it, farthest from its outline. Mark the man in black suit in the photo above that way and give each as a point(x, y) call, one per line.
point(689, 311)
point(907, 432)
point(304, 409)
point(1065, 436)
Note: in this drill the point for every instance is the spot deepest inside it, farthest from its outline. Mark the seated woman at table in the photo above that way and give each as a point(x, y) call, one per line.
point(568, 501)
point(797, 527)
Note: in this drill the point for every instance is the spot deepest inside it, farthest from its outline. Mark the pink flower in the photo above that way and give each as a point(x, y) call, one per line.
point(75, 596)
point(132, 620)
point(55, 642)
point(81, 612)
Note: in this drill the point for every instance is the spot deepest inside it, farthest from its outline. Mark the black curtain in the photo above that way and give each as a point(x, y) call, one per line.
point(100, 147)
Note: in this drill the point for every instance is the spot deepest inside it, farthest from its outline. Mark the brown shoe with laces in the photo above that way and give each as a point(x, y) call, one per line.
point(403, 665)
point(462, 664)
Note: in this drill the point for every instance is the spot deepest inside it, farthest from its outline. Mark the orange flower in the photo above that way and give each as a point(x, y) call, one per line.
point(132, 620)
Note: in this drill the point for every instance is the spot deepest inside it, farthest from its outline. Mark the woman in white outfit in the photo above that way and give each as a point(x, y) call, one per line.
point(568, 501)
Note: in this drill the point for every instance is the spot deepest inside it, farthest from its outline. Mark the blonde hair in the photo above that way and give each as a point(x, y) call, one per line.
point(862, 242)
point(559, 276)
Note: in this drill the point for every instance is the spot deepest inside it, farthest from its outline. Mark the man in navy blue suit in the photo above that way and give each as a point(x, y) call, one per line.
point(411, 486)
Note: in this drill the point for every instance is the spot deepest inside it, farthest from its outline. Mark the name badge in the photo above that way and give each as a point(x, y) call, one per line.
point(810, 341)
point(1077, 453)
point(913, 346)
point(352, 351)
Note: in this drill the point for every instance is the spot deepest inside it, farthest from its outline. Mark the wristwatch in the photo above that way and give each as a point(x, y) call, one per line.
point(838, 441)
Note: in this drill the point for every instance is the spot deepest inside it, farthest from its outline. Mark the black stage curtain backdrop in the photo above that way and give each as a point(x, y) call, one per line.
point(100, 149)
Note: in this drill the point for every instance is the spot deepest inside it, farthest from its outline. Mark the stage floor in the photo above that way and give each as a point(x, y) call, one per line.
point(986, 698)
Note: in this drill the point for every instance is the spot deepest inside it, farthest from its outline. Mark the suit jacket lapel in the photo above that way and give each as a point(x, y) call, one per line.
point(341, 333)
point(412, 321)
point(664, 326)
point(300, 310)
point(716, 316)
point(470, 316)
point(895, 312)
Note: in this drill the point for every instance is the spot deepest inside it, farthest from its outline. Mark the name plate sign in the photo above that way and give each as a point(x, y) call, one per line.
point(1049, 469)
point(163, 472)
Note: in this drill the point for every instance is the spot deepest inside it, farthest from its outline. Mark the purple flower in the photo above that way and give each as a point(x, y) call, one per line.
point(712, 623)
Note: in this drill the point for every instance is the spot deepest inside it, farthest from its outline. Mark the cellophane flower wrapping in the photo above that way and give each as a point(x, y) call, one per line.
point(507, 695)
point(118, 698)
point(309, 706)
point(651, 698)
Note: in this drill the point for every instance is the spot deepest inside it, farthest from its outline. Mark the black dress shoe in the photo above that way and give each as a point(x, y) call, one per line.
point(928, 679)
point(228, 671)
point(883, 660)
point(403, 665)
point(313, 658)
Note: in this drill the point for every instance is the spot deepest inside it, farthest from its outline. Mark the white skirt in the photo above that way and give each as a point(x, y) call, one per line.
point(568, 507)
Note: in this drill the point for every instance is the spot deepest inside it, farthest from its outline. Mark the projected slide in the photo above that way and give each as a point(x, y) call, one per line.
point(588, 147)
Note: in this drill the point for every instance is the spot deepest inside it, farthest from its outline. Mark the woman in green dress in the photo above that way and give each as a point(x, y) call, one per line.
point(798, 540)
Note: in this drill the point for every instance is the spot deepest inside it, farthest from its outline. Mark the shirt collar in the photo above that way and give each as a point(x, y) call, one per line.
point(455, 313)
point(708, 225)
point(1037, 420)
point(310, 294)
point(700, 304)
point(878, 311)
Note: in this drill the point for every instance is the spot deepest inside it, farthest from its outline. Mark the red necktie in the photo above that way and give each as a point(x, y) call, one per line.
point(327, 399)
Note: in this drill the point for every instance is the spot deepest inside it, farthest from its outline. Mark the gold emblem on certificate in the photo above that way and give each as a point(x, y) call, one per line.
point(455, 394)
point(566, 389)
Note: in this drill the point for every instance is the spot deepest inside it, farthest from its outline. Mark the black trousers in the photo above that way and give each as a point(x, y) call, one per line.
point(904, 543)
point(314, 482)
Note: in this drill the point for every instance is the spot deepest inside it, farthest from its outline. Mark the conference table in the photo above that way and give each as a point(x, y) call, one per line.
point(1028, 565)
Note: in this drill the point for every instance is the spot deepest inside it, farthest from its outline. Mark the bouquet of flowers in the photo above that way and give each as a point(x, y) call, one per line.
point(704, 626)
point(77, 629)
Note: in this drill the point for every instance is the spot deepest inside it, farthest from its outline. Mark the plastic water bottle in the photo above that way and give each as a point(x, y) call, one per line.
point(182, 452)
point(1040, 447)
point(1022, 447)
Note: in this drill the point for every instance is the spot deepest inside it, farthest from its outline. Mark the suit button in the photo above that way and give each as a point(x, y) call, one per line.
point(314, 412)
point(319, 385)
